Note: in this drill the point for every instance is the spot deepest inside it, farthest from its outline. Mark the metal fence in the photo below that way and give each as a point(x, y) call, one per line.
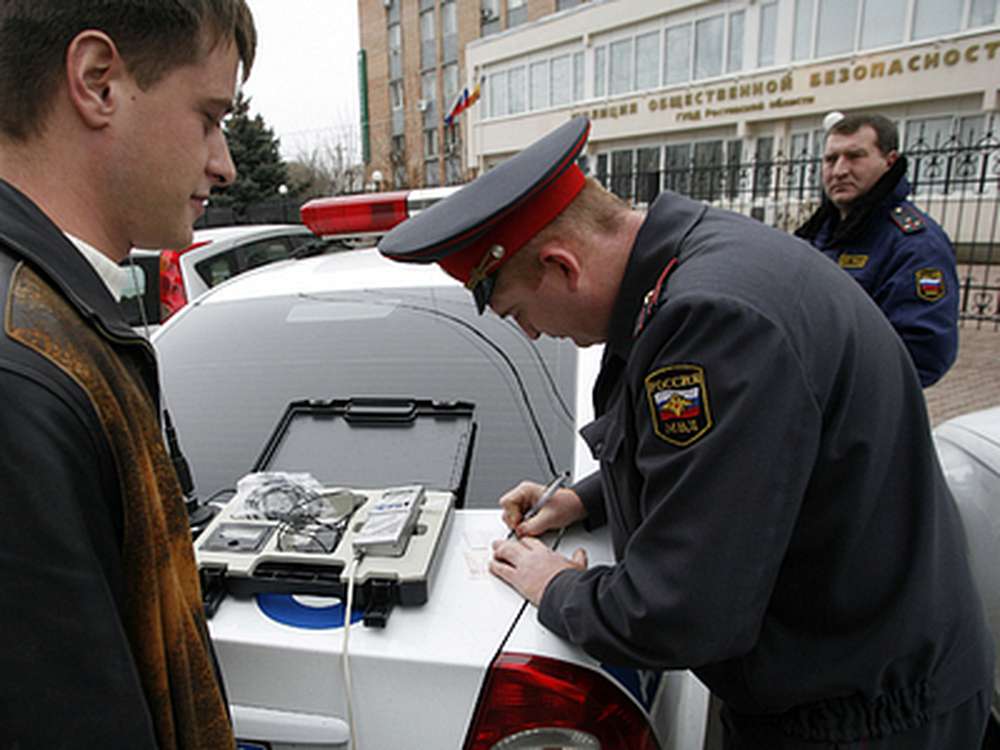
point(955, 180)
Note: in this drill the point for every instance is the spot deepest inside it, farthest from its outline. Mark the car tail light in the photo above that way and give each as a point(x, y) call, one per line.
point(535, 702)
point(173, 296)
point(355, 214)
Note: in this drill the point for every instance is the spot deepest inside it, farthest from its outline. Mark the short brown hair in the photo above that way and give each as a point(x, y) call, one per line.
point(595, 212)
point(152, 36)
point(886, 135)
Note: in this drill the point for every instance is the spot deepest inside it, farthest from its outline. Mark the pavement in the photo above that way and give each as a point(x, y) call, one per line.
point(973, 382)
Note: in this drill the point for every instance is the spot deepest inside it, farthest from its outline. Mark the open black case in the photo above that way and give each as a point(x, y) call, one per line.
point(364, 448)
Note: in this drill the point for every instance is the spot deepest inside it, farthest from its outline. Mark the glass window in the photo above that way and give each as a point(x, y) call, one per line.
point(768, 34)
point(647, 61)
point(835, 26)
point(396, 94)
point(428, 39)
point(453, 171)
point(449, 81)
point(708, 170)
point(517, 12)
point(763, 164)
point(562, 80)
point(498, 94)
point(734, 57)
point(395, 52)
point(430, 142)
point(803, 33)
point(431, 176)
point(677, 168)
point(882, 22)
point(601, 175)
point(600, 70)
point(577, 76)
point(648, 175)
point(621, 66)
point(449, 31)
point(489, 16)
point(708, 34)
point(934, 17)
point(928, 133)
point(539, 72)
point(566, 4)
point(428, 88)
point(516, 89)
point(734, 154)
point(678, 57)
point(621, 173)
point(982, 12)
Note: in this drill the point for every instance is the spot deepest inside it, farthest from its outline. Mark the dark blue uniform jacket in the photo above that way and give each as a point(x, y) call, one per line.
point(780, 521)
point(905, 262)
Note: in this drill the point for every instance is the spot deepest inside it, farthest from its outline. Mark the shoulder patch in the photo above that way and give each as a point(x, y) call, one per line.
point(678, 404)
point(852, 261)
point(907, 218)
point(930, 284)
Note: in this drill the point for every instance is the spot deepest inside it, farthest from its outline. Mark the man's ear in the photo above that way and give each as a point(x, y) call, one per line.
point(94, 71)
point(891, 157)
point(556, 256)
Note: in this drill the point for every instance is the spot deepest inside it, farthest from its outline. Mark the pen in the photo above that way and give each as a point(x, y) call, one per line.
point(546, 495)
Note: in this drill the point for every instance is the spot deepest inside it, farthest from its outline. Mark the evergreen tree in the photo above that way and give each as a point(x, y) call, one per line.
point(259, 166)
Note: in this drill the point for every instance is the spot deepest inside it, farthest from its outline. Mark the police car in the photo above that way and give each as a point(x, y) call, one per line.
point(469, 667)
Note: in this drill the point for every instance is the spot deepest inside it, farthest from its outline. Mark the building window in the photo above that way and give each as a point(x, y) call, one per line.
point(562, 80)
point(882, 23)
point(497, 94)
point(566, 4)
point(933, 17)
point(453, 173)
point(677, 168)
point(489, 17)
point(430, 143)
point(647, 61)
point(648, 175)
point(449, 83)
point(600, 70)
point(763, 164)
point(621, 67)
point(395, 52)
point(539, 80)
point(835, 24)
point(946, 154)
point(431, 174)
point(392, 12)
point(428, 98)
point(515, 90)
point(517, 12)
point(396, 95)
point(708, 33)
point(734, 54)
point(769, 33)
point(449, 31)
point(428, 39)
point(803, 31)
point(578, 76)
point(622, 174)
point(708, 171)
point(678, 58)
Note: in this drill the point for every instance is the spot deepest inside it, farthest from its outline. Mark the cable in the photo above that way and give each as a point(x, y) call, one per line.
point(345, 660)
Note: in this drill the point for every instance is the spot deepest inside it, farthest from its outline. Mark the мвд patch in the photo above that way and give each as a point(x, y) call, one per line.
point(930, 284)
point(678, 403)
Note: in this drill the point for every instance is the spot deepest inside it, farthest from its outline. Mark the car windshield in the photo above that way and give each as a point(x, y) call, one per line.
point(230, 369)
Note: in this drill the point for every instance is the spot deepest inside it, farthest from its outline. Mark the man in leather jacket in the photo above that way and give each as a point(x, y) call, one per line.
point(780, 521)
point(898, 254)
point(109, 138)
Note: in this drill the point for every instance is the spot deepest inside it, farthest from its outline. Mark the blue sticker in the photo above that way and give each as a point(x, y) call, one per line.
point(284, 608)
point(641, 683)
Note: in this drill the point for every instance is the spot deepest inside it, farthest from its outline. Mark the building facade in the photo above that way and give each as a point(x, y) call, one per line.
point(412, 73)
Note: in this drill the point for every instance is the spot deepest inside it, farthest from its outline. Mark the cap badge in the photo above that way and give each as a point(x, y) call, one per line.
point(485, 267)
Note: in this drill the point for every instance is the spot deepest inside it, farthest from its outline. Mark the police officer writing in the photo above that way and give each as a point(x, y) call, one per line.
point(779, 519)
point(110, 137)
point(898, 254)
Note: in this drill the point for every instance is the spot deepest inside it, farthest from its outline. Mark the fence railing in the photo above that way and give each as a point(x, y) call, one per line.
point(956, 183)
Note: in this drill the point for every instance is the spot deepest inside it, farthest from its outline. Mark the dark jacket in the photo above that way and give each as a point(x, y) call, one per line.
point(780, 521)
point(104, 638)
point(905, 262)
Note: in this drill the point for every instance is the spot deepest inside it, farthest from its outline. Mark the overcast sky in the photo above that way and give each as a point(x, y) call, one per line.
point(304, 81)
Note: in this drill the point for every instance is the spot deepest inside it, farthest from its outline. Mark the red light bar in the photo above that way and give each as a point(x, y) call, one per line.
point(355, 214)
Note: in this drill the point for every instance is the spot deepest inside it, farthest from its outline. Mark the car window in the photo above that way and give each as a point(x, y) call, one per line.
point(229, 371)
point(145, 269)
point(223, 266)
point(217, 268)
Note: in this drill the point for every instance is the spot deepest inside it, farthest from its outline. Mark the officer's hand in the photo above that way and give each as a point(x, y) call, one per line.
point(564, 508)
point(527, 565)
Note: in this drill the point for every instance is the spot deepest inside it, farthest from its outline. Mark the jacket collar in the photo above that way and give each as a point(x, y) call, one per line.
point(669, 220)
point(891, 188)
point(29, 235)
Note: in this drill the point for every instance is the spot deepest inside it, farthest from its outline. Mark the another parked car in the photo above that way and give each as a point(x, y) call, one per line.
point(471, 667)
point(170, 279)
point(969, 449)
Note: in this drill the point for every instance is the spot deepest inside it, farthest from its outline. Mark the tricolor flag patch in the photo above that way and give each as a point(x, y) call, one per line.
point(930, 284)
point(678, 403)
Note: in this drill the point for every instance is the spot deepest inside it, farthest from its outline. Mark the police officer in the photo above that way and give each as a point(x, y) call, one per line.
point(898, 254)
point(779, 519)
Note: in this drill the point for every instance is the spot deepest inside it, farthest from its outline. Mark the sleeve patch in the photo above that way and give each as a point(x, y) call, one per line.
point(678, 404)
point(930, 284)
point(908, 219)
